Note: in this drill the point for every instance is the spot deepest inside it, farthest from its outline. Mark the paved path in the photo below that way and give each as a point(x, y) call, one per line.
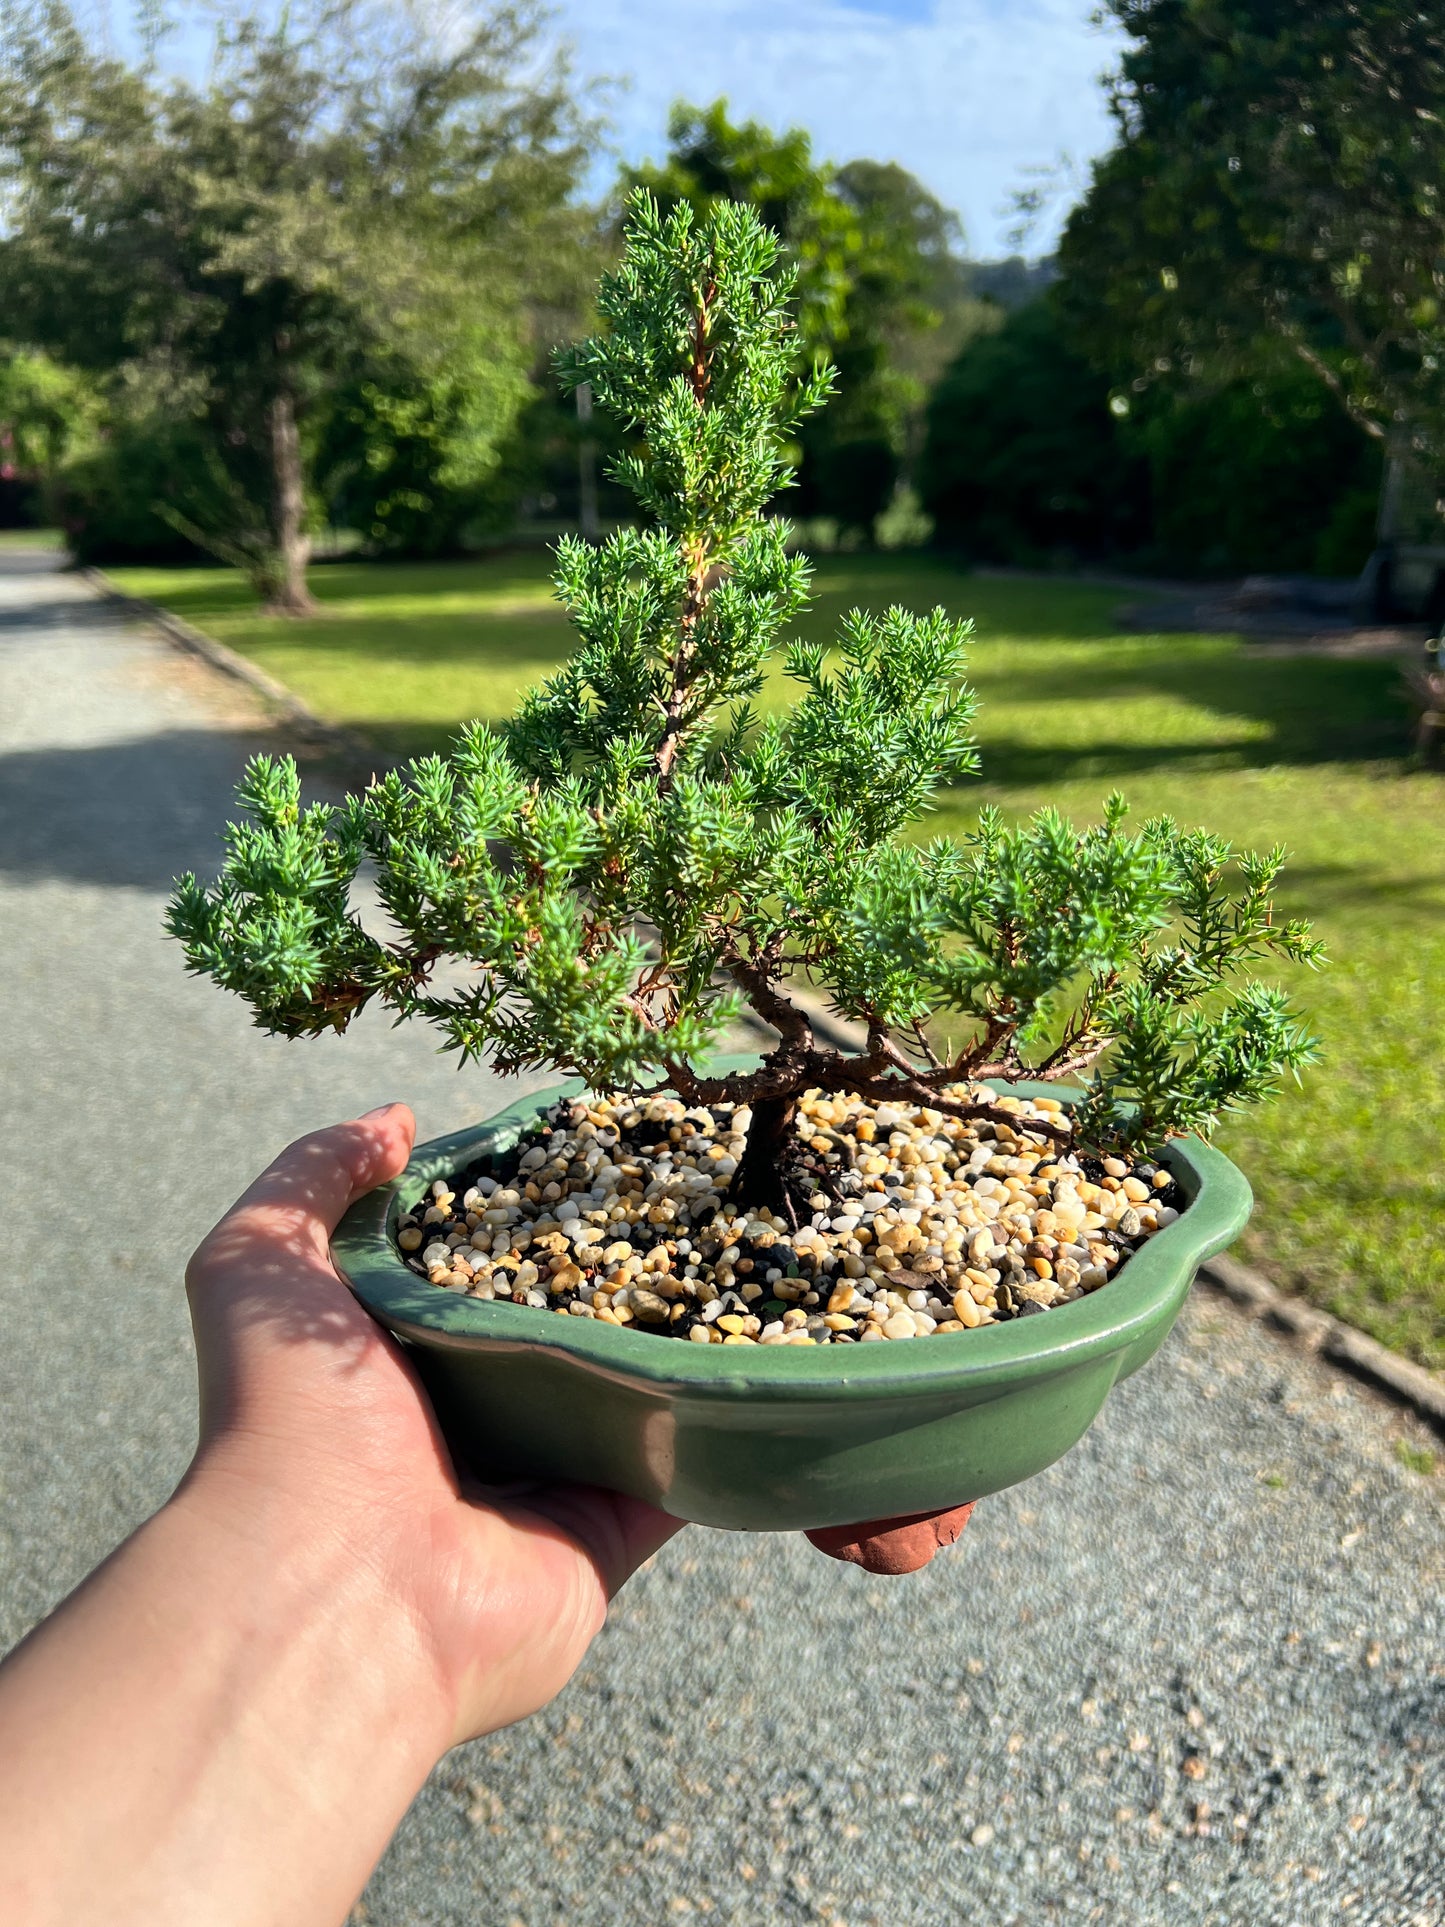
point(1229, 1596)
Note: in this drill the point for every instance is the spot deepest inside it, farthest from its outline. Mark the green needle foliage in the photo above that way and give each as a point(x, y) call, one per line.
point(636, 856)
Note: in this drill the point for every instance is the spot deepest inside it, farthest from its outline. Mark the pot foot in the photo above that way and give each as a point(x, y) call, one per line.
point(892, 1546)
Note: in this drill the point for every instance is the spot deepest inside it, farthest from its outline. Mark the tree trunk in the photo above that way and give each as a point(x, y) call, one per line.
point(289, 595)
point(761, 1177)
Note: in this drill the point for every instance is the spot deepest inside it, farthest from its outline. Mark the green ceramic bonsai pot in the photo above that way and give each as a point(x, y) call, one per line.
point(772, 1439)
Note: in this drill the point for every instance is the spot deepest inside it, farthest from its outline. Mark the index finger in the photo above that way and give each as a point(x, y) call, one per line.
point(303, 1194)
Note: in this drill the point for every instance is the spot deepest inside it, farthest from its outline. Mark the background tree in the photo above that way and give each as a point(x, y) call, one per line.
point(1034, 458)
point(347, 190)
point(48, 414)
point(1280, 171)
point(1024, 462)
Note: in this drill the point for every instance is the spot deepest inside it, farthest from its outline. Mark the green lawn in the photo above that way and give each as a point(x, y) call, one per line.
point(1307, 752)
point(17, 540)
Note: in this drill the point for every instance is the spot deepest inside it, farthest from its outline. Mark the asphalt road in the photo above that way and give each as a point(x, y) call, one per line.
point(1194, 1674)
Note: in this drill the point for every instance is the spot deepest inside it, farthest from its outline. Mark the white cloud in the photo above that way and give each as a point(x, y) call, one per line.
point(968, 94)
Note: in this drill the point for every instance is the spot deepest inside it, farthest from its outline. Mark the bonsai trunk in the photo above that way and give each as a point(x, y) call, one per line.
point(288, 594)
point(762, 1175)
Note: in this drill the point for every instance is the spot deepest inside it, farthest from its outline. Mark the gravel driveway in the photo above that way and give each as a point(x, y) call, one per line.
point(1195, 1673)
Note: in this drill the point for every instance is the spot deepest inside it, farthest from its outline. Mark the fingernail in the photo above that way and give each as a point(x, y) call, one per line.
point(378, 1110)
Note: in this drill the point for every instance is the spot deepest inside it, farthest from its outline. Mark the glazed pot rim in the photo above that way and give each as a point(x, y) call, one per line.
point(1105, 1320)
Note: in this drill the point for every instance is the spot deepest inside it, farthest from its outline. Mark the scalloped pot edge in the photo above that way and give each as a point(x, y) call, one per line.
point(774, 1438)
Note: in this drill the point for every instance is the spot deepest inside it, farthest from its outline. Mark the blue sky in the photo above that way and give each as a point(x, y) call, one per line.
point(973, 96)
point(970, 95)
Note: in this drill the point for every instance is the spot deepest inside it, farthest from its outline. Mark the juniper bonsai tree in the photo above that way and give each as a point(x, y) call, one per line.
point(638, 855)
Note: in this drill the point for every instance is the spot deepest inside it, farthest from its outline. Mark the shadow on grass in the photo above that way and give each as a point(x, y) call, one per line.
point(386, 653)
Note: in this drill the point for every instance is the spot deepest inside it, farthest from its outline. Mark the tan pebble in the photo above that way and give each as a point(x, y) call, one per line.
point(840, 1299)
point(900, 1325)
point(837, 1321)
point(739, 1338)
point(730, 1322)
point(699, 1335)
point(965, 1310)
point(1135, 1190)
point(615, 1253)
point(579, 1310)
point(409, 1239)
point(648, 1307)
point(1041, 1267)
point(949, 1325)
point(1116, 1167)
point(789, 1338)
point(606, 1314)
point(1161, 1180)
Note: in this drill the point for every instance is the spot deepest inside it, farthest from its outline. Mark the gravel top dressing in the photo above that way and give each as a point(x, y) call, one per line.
point(917, 1224)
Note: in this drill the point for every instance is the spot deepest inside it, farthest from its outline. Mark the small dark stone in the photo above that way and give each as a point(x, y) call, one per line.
point(783, 1255)
point(1029, 1305)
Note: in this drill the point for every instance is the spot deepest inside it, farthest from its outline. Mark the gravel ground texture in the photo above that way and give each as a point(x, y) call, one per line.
point(1193, 1674)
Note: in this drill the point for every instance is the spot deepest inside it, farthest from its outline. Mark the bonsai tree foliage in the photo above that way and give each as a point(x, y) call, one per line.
point(638, 854)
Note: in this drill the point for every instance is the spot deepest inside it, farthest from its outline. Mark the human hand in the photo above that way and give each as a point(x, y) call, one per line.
point(315, 1430)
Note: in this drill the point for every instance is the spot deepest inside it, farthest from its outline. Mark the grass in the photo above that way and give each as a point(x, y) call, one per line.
point(13, 541)
point(1307, 752)
point(1419, 1459)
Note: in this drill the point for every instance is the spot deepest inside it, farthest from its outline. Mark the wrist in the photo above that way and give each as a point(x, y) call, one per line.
point(223, 1680)
point(321, 1582)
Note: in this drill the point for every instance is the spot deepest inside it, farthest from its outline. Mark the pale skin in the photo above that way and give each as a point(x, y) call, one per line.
point(228, 1719)
point(223, 1726)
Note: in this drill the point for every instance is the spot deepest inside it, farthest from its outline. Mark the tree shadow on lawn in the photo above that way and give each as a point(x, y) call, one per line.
point(1340, 886)
point(1313, 711)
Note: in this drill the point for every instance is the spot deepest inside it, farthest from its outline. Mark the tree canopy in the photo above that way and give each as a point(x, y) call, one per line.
point(1280, 172)
point(348, 195)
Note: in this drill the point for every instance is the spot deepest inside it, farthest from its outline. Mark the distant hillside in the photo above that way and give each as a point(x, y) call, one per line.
point(1013, 283)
